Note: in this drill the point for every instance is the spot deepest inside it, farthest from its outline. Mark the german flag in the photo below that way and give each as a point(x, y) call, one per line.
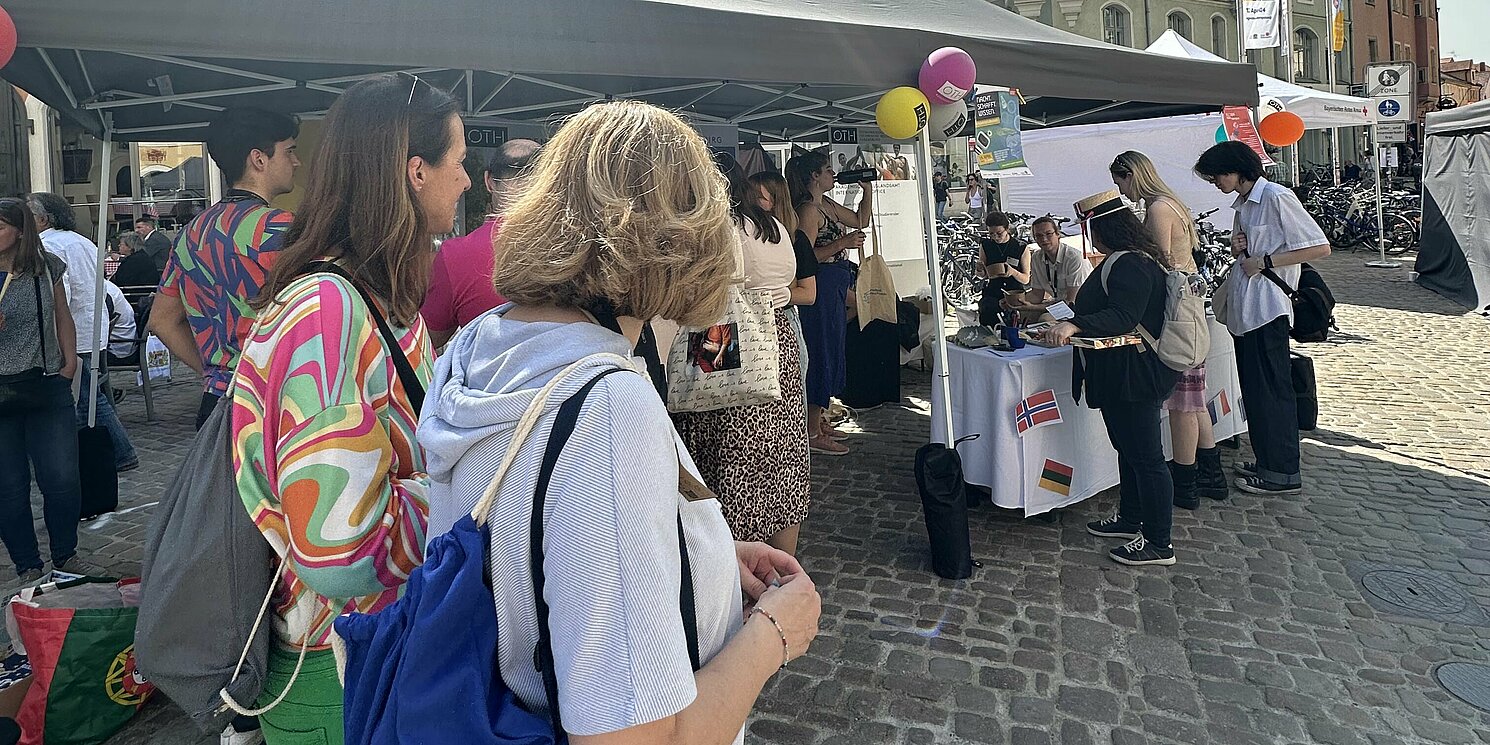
point(1056, 477)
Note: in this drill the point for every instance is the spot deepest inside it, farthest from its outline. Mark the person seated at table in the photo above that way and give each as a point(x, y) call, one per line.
point(1056, 272)
point(136, 267)
point(1128, 383)
point(1004, 261)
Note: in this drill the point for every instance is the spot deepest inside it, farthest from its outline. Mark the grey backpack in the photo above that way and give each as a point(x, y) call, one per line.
point(206, 569)
point(1185, 340)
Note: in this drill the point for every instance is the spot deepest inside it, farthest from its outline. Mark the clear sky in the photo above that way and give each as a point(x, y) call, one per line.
point(1462, 29)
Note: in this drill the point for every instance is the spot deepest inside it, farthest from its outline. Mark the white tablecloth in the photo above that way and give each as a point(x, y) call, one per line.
point(1025, 471)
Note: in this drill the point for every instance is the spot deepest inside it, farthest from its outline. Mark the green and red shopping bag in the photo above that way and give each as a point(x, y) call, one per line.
point(80, 640)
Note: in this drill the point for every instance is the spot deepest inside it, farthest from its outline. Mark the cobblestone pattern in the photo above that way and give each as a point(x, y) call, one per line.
point(1257, 636)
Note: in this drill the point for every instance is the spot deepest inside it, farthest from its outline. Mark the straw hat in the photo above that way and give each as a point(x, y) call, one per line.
point(1099, 205)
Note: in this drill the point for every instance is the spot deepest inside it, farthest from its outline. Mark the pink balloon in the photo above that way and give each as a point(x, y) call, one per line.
point(947, 75)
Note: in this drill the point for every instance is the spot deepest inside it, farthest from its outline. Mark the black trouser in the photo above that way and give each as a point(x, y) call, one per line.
point(1146, 495)
point(204, 409)
point(1272, 408)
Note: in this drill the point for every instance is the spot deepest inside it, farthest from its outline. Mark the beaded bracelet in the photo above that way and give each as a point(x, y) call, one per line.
point(785, 649)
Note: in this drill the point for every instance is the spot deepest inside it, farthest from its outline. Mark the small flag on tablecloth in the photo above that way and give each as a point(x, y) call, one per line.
point(1037, 411)
point(1241, 408)
point(1218, 407)
point(1056, 477)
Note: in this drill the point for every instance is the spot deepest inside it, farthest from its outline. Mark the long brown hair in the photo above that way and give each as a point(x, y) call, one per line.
point(359, 205)
point(28, 258)
point(1121, 231)
point(781, 197)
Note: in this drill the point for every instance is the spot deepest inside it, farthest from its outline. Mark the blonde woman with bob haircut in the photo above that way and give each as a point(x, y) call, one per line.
point(626, 218)
point(1197, 463)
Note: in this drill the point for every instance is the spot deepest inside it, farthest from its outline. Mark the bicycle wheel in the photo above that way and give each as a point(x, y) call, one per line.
point(1402, 234)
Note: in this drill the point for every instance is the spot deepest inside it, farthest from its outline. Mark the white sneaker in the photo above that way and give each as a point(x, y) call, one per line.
point(231, 736)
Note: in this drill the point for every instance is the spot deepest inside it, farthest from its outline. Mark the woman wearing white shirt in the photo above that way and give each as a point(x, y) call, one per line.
point(731, 445)
point(1272, 232)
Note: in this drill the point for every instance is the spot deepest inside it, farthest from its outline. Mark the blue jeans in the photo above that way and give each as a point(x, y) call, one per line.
point(941, 210)
point(41, 435)
point(124, 450)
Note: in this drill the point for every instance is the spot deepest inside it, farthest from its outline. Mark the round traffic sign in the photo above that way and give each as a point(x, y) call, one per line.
point(1389, 108)
point(1389, 78)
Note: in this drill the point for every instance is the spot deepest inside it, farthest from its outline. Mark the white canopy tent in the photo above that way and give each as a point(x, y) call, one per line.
point(1070, 162)
point(1319, 109)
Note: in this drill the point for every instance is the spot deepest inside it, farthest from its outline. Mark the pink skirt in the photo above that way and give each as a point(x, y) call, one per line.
point(1189, 393)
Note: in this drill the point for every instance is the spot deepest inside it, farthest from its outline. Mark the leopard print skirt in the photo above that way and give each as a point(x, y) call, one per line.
point(755, 457)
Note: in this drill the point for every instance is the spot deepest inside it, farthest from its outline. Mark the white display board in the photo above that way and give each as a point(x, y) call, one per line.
point(897, 230)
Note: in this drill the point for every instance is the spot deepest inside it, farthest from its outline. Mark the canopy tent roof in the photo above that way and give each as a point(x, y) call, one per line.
point(1319, 109)
point(779, 68)
point(1468, 118)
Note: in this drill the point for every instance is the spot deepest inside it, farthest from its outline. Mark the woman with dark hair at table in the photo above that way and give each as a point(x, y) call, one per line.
point(1127, 383)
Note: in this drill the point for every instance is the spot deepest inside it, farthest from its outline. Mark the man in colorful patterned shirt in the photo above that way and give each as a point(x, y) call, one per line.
point(222, 256)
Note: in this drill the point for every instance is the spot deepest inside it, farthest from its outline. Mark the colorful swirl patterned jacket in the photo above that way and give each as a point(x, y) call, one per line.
point(325, 454)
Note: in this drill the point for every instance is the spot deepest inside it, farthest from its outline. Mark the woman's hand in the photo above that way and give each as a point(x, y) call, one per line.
point(850, 241)
point(760, 565)
point(1252, 265)
point(1061, 333)
point(795, 605)
point(1238, 243)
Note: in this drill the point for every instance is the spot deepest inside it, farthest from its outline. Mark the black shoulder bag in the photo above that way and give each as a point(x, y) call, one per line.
point(1313, 305)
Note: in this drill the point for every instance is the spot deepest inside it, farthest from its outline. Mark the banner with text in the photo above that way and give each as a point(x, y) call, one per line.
point(1238, 123)
point(1337, 25)
point(999, 146)
point(1260, 25)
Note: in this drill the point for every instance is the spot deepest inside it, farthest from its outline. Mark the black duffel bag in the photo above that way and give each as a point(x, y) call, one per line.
point(944, 503)
point(1313, 305)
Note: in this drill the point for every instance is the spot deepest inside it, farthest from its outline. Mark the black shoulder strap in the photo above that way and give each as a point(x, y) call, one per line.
point(543, 655)
point(406, 375)
point(1289, 291)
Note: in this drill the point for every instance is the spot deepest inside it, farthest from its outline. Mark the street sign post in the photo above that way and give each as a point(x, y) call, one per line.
point(1393, 108)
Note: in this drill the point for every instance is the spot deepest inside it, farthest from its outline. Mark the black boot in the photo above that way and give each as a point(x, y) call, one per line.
point(1210, 479)
point(1184, 486)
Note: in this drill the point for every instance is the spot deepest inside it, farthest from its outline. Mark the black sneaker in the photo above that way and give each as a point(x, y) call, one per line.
point(1140, 552)
point(1256, 485)
point(1113, 526)
point(1245, 469)
point(31, 576)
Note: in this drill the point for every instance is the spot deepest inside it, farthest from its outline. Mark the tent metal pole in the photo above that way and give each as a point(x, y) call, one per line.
point(934, 267)
point(1381, 233)
point(104, 182)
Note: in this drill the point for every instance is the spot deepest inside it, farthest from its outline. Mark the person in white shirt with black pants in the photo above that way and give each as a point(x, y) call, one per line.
point(1272, 232)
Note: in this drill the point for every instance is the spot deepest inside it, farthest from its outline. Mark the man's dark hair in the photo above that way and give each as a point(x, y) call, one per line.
point(1046, 218)
point(1230, 157)
point(511, 158)
point(55, 208)
point(148, 220)
point(235, 133)
point(996, 219)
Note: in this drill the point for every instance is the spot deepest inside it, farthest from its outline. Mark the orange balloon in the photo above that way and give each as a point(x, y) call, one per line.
point(1281, 129)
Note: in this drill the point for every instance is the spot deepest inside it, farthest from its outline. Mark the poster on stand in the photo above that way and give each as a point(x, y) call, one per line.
point(1261, 23)
point(999, 147)
point(897, 229)
point(1238, 123)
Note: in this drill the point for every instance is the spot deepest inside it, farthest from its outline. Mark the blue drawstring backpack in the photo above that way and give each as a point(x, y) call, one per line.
point(419, 670)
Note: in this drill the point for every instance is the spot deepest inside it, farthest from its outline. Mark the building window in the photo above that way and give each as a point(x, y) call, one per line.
point(1180, 24)
point(1417, 8)
point(1305, 54)
point(1218, 37)
point(1372, 52)
point(1115, 25)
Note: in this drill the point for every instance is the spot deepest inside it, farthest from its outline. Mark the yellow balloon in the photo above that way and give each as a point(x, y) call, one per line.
point(902, 112)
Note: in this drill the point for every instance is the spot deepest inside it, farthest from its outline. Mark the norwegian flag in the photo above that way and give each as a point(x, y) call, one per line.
point(1037, 411)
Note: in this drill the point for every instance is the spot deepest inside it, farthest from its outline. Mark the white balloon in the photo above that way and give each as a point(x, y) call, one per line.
point(947, 120)
point(1268, 106)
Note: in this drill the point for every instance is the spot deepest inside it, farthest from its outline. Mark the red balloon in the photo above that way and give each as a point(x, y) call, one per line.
point(1281, 129)
point(7, 38)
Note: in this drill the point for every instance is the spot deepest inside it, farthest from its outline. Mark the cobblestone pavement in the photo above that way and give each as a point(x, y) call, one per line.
point(1260, 634)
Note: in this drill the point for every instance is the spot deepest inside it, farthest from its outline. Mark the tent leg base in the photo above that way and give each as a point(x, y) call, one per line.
point(1384, 264)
